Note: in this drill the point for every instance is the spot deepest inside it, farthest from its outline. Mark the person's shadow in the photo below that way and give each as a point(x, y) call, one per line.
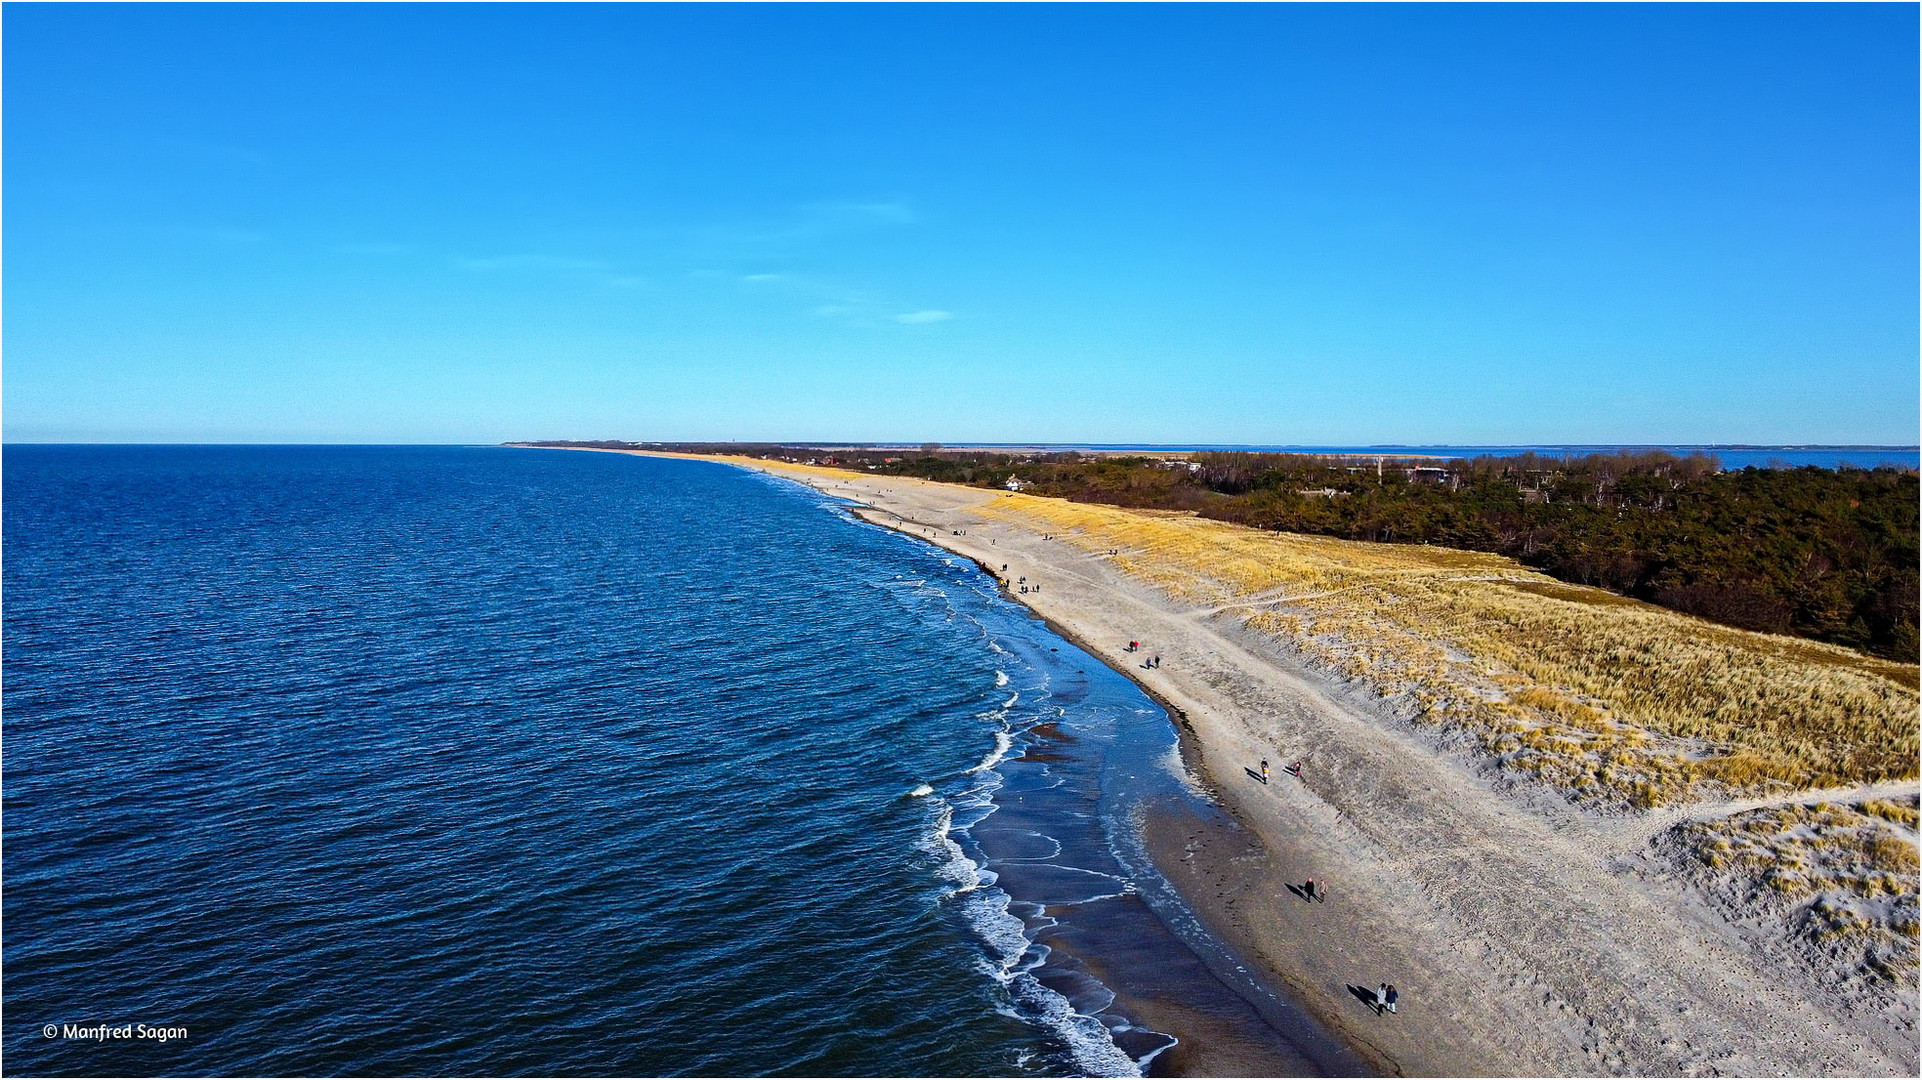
point(1363, 994)
point(1301, 891)
point(1255, 775)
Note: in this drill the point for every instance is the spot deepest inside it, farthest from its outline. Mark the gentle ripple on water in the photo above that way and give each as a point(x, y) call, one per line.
point(463, 760)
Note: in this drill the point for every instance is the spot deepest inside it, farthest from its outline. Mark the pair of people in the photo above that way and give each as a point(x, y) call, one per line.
point(1293, 770)
point(1315, 893)
point(1385, 997)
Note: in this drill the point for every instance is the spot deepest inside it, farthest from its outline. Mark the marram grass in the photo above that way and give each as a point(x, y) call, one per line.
point(1610, 700)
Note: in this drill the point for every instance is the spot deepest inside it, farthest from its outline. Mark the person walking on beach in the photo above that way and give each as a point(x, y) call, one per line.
point(1264, 779)
point(1393, 996)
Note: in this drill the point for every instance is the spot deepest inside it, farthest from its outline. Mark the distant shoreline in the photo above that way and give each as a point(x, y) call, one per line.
point(1732, 455)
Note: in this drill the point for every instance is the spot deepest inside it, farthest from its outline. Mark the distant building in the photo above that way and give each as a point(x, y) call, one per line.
point(1015, 483)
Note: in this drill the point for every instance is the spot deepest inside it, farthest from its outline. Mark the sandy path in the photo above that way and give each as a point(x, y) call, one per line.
point(1628, 834)
point(1523, 937)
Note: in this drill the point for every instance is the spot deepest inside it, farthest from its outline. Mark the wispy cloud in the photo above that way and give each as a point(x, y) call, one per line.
point(227, 236)
point(924, 317)
point(893, 210)
point(805, 225)
point(600, 273)
point(374, 248)
point(534, 262)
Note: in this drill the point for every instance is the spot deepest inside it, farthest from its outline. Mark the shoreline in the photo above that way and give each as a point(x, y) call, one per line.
point(1222, 841)
point(1205, 1044)
point(1525, 938)
point(1226, 839)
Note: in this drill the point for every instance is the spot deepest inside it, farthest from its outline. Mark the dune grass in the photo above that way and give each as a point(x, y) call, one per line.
point(1608, 699)
point(1843, 877)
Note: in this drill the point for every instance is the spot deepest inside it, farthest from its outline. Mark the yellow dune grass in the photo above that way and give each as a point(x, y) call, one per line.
point(1608, 699)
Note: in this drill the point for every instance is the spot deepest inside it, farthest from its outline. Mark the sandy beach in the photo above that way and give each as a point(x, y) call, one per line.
point(1526, 936)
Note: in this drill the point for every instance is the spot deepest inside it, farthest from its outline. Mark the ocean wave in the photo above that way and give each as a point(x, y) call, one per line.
point(1003, 742)
point(1089, 1041)
point(1012, 955)
point(1178, 768)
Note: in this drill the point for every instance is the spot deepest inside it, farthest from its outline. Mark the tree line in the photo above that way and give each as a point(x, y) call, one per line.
point(1825, 554)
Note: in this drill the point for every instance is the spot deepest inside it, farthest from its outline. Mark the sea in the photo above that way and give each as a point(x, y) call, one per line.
point(484, 761)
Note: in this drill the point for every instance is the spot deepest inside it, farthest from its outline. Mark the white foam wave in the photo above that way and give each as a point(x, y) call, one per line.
point(1013, 955)
point(1178, 768)
point(1003, 741)
point(1088, 1039)
point(1000, 678)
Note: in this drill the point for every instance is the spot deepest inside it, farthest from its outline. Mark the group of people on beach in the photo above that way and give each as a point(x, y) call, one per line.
point(1386, 996)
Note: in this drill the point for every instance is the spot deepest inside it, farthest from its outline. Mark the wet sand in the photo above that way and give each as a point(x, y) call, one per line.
point(1525, 939)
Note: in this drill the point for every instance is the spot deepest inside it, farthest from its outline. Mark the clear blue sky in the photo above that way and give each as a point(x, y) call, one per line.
point(1255, 224)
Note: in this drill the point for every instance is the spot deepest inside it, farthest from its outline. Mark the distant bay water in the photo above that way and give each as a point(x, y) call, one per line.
point(1732, 457)
point(415, 761)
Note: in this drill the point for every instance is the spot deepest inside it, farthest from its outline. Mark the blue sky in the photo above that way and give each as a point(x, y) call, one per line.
point(1254, 224)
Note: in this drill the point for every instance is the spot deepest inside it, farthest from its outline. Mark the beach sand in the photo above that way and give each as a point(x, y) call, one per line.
point(1526, 937)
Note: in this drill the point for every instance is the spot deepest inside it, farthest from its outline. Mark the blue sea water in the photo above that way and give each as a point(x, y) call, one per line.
point(416, 761)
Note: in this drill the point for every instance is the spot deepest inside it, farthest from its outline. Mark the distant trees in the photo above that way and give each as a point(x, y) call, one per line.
point(1825, 554)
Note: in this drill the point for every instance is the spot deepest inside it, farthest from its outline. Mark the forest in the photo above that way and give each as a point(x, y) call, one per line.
point(1826, 554)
